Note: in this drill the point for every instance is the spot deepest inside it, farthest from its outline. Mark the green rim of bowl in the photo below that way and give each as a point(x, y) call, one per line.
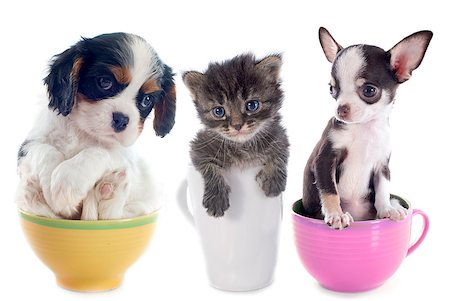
point(90, 225)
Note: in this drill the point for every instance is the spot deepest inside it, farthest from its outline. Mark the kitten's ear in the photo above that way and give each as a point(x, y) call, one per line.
point(193, 81)
point(272, 65)
point(408, 54)
point(329, 45)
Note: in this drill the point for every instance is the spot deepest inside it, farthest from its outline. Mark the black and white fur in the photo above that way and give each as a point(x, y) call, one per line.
point(77, 161)
point(347, 176)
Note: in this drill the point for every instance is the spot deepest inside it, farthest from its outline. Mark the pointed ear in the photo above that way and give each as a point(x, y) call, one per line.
point(408, 54)
point(271, 65)
point(194, 81)
point(166, 106)
point(329, 45)
point(62, 80)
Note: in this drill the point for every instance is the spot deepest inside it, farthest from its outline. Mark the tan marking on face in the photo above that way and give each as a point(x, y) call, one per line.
point(141, 126)
point(360, 82)
point(122, 74)
point(76, 69)
point(150, 86)
point(332, 82)
point(331, 203)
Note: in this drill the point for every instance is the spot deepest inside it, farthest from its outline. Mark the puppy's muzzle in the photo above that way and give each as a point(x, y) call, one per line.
point(119, 122)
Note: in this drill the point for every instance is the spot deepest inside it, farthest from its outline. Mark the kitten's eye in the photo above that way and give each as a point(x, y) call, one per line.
point(105, 83)
point(218, 112)
point(369, 93)
point(252, 105)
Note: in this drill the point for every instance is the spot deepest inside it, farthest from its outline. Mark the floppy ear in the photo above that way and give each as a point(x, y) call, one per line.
point(62, 80)
point(271, 64)
point(408, 54)
point(165, 107)
point(194, 82)
point(329, 45)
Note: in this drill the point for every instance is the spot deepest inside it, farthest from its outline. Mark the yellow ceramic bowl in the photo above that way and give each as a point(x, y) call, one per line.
point(88, 255)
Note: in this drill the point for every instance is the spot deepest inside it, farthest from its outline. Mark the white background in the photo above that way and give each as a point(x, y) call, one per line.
point(189, 34)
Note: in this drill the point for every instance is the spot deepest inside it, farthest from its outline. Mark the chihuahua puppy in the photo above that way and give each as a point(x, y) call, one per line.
point(347, 175)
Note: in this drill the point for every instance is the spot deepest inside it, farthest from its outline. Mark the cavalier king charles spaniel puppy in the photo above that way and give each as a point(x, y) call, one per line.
point(76, 162)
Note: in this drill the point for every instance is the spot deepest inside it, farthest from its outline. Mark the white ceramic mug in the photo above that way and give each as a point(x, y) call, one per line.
point(241, 247)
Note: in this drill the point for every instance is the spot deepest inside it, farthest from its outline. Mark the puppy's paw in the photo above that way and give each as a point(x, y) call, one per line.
point(273, 183)
point(395, 214)
point(216, 200)
point(106, 187)
point(338, 220)
point(67, 190)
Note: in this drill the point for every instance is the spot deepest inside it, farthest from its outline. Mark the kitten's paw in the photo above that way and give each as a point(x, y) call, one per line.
point(272, 183)
point(395, 214)
point(338, 220)
point(216, 200)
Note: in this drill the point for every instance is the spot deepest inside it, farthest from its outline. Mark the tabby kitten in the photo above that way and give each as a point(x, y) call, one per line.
point(238, 103)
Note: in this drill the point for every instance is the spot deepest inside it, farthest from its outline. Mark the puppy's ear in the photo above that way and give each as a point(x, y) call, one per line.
point(165, 107)
point(62, 80)
point(271, 65)
point(329, 45)
point(194, 82)
point(408, 54)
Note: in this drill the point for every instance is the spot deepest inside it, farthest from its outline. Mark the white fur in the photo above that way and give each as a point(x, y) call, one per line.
point(69, 160)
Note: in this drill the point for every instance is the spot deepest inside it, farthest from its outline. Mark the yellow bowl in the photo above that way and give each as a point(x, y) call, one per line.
point(88, 255)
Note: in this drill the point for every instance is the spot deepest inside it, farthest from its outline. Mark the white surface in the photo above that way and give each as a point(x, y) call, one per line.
point(240, 249)
point(189, 34)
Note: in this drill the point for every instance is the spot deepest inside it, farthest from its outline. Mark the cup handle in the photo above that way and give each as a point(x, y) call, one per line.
point(182, 198)
point(426, 224)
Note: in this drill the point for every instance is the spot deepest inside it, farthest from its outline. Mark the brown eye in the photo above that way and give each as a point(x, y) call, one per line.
point(105, 83)
point(218, 112)
point(369, 93)
point(333, 90)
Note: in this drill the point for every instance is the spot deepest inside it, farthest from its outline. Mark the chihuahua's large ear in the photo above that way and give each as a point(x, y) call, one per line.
point(271, 64)
point(165, 108)
point(408, 54)
point(194, 82)
point(62, 80)
point(329, 45)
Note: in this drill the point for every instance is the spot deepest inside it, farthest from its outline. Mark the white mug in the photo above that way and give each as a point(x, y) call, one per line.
point(240, 248)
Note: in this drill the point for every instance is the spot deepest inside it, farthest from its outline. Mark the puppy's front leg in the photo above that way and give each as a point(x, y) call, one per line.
point(72, 179)
point(382, 196)
point(325, 176)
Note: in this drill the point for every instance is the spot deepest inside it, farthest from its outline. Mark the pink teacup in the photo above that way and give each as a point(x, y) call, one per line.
point(358, 258)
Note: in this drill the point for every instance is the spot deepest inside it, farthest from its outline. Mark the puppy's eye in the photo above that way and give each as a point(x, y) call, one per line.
point(369, 93)
point(105, 83)
point(147, 100)
point(252, 105)
point(218, 112)
point(333, 91)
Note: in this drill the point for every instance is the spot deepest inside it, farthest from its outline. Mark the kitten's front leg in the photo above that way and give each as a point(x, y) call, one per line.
point(272, 179)
point(216, 194)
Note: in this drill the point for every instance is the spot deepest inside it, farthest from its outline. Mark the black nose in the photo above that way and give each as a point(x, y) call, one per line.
point(119, 122)
point(238, 127)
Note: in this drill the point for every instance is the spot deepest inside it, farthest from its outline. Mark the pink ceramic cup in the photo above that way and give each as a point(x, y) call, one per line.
point(358, 258)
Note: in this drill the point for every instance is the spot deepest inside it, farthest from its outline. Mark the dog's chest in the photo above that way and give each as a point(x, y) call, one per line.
point(368, 148)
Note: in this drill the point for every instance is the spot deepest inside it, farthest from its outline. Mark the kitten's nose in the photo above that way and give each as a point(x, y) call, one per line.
point(119, 121)
point(343, 111)
point(238, 126)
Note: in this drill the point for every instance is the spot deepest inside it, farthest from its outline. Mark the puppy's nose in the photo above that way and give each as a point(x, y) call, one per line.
point(343, 111)
point(119, 122)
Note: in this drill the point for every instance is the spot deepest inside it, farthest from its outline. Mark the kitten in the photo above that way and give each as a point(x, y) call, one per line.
point(238, 103)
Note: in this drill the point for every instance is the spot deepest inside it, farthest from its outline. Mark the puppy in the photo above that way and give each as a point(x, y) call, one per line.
point(77, 160)
point(347, 175)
